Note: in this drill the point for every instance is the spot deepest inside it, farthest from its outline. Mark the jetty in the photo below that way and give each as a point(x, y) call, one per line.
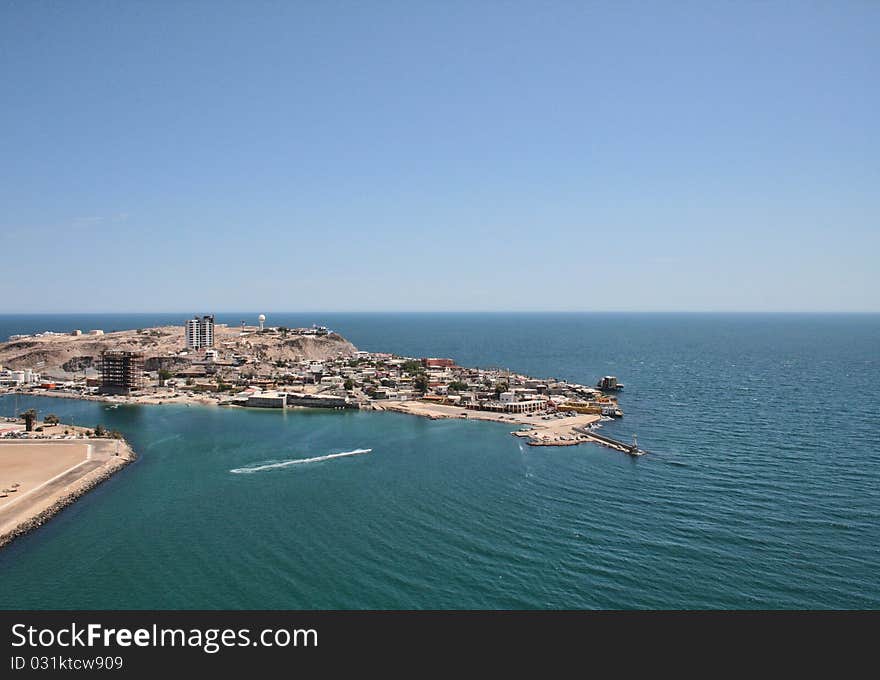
point(630, 449)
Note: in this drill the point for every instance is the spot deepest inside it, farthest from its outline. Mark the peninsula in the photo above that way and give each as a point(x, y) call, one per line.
point(262, 366)
point(44, 467)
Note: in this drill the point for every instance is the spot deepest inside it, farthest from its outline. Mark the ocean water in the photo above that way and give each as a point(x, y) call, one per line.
point(762, 488)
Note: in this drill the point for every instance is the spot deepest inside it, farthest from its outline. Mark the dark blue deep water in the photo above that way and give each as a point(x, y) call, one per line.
point(762, 489)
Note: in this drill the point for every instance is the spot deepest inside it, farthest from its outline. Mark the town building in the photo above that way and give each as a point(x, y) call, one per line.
point(436, 362)
point(122, 372)
point(269, 399)
point(200, 332)
point(19, 378)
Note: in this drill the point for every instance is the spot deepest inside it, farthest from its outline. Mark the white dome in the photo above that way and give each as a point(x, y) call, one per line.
point(262, 317)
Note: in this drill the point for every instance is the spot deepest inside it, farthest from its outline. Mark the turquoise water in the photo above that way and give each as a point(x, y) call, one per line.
point(761, 489)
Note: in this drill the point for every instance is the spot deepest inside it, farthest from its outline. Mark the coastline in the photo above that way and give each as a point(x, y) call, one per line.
point(535, 429)
point(113, 399)
point(567, 431)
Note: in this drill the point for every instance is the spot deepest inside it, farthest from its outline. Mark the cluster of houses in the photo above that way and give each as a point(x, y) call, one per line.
point(237, 372)
point(365, 378)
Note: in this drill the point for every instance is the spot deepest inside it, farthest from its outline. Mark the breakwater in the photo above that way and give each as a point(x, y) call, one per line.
point(610, 442)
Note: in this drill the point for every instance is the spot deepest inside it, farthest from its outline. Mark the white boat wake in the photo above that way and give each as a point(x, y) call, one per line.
point(296, 461)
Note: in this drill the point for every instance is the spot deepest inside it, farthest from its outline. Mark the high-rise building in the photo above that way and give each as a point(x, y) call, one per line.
point(122, 372)
point(200, 332)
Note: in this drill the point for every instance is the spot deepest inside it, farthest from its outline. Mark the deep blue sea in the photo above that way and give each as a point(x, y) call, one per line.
point(761, 489)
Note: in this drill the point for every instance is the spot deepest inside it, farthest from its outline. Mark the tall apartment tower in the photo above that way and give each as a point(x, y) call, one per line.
point(121, 372)
point(200, 332)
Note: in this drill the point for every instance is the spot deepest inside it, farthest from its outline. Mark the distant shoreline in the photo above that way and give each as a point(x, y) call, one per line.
point(557, 432)
point(276, 367)
point(233, 315)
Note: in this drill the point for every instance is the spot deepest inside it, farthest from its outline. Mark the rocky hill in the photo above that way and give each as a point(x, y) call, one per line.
point(67, 356)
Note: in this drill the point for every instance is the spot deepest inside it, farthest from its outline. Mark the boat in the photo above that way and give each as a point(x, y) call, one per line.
point(609, 384)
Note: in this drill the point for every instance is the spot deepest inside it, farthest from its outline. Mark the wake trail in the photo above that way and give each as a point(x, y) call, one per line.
point(296, 461)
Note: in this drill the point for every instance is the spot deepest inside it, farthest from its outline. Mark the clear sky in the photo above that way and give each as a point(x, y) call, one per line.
point(414, 155)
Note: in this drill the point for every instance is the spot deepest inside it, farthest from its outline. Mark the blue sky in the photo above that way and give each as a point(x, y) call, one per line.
point(440, 156)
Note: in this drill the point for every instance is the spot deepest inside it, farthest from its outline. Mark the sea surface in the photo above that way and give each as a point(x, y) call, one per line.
point(761, 489)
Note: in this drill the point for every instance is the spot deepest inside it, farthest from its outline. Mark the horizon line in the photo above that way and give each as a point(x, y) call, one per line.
point(451, 311)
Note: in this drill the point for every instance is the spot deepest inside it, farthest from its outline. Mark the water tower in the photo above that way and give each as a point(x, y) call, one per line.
point(262, 320)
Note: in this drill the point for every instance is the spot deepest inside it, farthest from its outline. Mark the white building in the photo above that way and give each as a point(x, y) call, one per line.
point(200, 332)
point(22, 377)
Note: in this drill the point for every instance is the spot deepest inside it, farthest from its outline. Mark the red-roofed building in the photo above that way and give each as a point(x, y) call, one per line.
point(434, 362)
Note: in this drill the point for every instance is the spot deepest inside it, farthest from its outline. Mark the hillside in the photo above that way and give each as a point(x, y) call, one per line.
point(67, 356)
